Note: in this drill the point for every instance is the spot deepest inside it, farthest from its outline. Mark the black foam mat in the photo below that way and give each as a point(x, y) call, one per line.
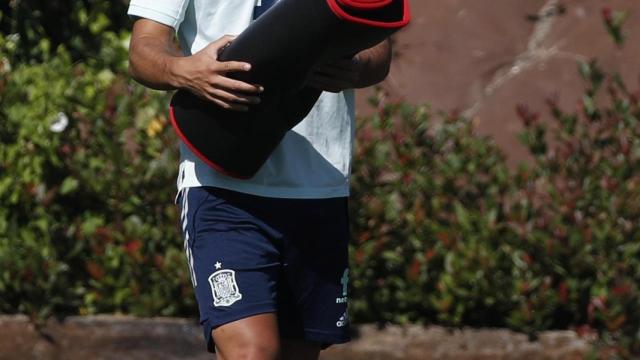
point(283, 46)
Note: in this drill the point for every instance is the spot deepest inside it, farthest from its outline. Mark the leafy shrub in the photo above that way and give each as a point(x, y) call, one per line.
point(444, 233)
point(85, 27)
point(431, 243)
point(582, 205)
point(87, 165)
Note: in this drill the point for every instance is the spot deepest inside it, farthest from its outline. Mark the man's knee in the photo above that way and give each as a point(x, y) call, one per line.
point(251, 350)
point(256, 352)
point(253, 338)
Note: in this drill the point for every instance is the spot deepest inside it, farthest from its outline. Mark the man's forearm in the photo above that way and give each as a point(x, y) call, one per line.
point(153, 63)
point(376, 62)
point(154, 56)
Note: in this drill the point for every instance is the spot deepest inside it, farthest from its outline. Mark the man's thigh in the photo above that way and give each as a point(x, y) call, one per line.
point(255, 337)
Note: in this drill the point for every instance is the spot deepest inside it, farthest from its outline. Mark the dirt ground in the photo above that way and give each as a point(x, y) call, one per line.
point(117, 337)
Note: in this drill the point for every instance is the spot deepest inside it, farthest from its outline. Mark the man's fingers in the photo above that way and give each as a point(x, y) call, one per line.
point(226, 105)
point(231, 106)
point(233, 97)
point(238, 86)
point(213, 49)
point(221, 102)
point(232, 66)
point(222, 42)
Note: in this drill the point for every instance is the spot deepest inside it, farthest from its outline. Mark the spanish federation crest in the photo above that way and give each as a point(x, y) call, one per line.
point(224, 287)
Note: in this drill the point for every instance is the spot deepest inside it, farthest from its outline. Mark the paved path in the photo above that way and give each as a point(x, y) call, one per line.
point(119, 338)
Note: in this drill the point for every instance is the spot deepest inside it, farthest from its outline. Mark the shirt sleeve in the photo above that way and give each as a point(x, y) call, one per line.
point(167, 12)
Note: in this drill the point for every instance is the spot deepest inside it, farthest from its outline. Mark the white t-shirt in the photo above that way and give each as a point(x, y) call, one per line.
point(314, 158)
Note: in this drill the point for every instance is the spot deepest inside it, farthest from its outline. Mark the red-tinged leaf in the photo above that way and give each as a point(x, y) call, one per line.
point(443, 237)
point(133, 246)
point(95, 270)
point(617, 322)
point(104, 234)
point(158, 261)
point(413, 273)
point(563, 292)
point(429, 254)
point(27, 276)
point(622, 289)
point(359, 257)
point(607, 15)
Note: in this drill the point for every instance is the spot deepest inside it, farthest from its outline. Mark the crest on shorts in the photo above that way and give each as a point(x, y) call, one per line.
point(224, 288)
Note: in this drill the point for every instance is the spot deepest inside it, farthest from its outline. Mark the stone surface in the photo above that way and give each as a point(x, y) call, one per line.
point(436, 343)
point(116, 338)
point(484, 57)
point(101, 337)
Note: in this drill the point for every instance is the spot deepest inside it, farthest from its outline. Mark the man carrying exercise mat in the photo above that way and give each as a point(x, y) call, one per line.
point(267, 256)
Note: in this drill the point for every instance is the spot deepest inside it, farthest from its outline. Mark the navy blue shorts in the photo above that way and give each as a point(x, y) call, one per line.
point(251, 255)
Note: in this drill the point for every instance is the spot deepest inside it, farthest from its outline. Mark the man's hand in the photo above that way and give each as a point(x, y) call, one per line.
point(338, 75)
point(366, 68)
point(204, 76)
point(155, 61)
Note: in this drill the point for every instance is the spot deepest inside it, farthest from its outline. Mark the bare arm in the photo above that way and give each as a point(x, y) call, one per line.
point(157, 62)
point(367, 68)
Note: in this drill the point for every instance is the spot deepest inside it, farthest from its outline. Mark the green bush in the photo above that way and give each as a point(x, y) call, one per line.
point(87, 222)
point(431, 243)
point(444, 233)
point(85, 27)
point(582, 203)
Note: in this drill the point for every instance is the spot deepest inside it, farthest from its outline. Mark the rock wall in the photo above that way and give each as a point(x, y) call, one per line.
point(484, 57)
point(117, 338)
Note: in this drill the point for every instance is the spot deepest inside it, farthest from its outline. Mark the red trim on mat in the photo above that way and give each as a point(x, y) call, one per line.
point(365, 4)
point(342, 14)
point(198, 153)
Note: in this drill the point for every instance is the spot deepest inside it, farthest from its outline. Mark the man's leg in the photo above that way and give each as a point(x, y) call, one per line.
point(256, 338)
point(299, 350)
point(252, 338)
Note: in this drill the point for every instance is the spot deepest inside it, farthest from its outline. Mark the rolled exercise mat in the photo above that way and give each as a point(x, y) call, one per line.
point(283, 46)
